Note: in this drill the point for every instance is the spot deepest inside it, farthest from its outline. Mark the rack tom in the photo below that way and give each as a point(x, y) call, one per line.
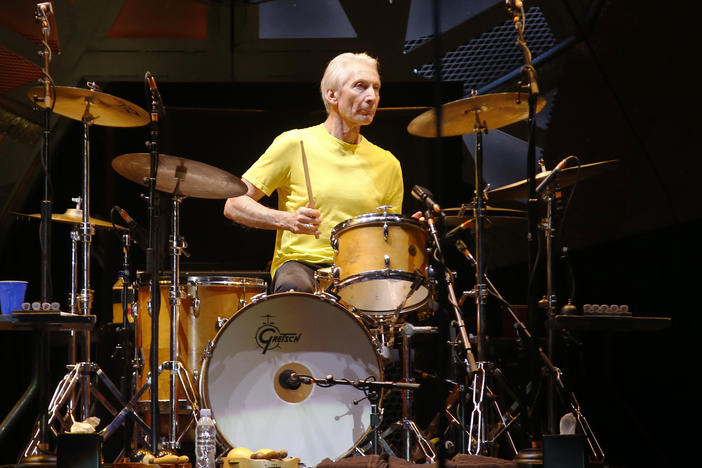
point(380, 260)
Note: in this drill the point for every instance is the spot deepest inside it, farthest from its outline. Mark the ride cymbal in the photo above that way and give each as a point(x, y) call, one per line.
point(180, 176)
point(91, 106)
point(465, 214)
point(566, 177)
point(486, 112)
point(75, 216)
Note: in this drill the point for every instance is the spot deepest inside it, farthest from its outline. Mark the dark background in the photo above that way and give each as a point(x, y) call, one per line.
point(626, 92)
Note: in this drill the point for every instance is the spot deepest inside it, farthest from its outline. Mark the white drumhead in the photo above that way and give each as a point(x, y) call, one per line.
point(301, 332)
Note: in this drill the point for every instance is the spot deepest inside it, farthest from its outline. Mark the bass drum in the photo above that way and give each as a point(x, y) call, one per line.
point(306, 334)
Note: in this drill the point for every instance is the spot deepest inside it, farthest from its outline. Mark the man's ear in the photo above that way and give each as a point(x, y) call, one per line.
point(331, 96)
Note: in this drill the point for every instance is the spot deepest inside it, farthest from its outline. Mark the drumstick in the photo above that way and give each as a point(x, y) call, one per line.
point(307, 178)
point(307, 175)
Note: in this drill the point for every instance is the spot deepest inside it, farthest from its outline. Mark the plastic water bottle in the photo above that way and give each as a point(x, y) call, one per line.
point(205, 435)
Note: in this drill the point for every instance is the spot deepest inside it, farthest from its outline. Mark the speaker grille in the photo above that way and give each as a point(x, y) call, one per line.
point(491, 55)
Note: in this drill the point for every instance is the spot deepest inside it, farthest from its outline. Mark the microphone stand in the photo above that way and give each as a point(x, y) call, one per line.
point(469, 364)
point(40, 16)
point(533, 202)
point(371, 388)
point(152, 267)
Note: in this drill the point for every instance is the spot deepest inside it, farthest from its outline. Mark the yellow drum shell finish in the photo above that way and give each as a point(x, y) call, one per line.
point(205, 302)
point(378, 258)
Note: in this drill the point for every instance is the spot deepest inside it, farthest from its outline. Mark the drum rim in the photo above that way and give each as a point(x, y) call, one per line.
point(371, 219)
point(202, 384)
point(385, 275)
point(212, 280)
point(224, 280)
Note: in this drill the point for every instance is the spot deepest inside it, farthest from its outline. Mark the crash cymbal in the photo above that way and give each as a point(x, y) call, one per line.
point(459, 117)
point(566, 177)
point(180, 176)
point(75, 216)
point(98, 108)
point(464, 214)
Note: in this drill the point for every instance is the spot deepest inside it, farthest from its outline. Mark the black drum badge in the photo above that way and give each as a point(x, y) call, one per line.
point(269, 337)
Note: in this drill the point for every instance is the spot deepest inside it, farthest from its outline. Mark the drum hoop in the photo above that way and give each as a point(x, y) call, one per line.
point(372, 219)
point(189, 278)
point(223, 280)
point(385, 275)
point(325, 298)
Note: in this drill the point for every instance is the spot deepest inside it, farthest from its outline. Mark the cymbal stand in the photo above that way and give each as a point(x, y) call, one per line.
point(126, 346)
point(574, 406)
point(77, 384)
point(178, 373)
point(480, 290)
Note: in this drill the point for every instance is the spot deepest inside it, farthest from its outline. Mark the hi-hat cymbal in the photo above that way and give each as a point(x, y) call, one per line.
point(459, 117)
point(180, 176)
point(566, 177)
point(92, 106)
point(75, 216)
point(465, 214)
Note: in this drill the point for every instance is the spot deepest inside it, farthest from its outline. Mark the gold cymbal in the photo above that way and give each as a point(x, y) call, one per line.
point(463, 214)
point(95, 107)
point(485, 112)
point(75, 216)
point(180, 176)
point(566, 177)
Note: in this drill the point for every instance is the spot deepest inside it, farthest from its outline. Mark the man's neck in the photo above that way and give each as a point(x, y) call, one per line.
point(338, 128)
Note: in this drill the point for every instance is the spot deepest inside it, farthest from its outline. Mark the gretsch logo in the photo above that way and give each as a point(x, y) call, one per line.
point(269, 337)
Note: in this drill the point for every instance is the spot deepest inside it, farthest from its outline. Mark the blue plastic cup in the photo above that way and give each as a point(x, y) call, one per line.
point(12, 296)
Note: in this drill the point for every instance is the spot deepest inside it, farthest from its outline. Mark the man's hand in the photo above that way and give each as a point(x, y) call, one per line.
point(306, 220)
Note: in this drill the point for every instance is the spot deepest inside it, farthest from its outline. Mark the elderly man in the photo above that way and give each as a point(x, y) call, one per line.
point(348, 174)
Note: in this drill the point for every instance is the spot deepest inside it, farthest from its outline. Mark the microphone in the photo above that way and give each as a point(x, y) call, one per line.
point(425, 196)
point(461, 246)
point(549, 178)
point(290, 380)
point(133, 225)
point(155, 95)
point(511, 5)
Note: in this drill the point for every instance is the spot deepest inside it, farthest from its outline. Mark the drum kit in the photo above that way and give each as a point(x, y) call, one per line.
point(296, 370)
point(233, 348)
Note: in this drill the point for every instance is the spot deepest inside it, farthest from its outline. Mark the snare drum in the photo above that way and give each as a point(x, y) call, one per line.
point(380, 260)
point(300, 332)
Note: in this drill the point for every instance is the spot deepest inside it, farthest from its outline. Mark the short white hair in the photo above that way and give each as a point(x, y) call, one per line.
point(336, 73)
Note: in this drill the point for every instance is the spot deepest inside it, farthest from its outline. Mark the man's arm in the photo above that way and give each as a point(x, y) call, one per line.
point(247, 210)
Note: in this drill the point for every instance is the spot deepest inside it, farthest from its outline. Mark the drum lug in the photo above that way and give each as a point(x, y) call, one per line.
point(258, 297)
point(386, 260)
point(335, 243)
point(220, 322)
point(336, 273)
point(386, 231)
point(207, 352)
point(196, 300)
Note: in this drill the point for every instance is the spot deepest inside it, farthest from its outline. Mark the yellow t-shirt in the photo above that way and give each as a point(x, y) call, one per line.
point(347, 180)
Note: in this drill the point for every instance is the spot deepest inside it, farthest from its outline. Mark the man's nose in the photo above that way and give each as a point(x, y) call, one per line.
point(371, 95)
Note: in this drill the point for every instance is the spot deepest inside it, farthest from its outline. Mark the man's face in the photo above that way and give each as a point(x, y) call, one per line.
point(359, 96)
